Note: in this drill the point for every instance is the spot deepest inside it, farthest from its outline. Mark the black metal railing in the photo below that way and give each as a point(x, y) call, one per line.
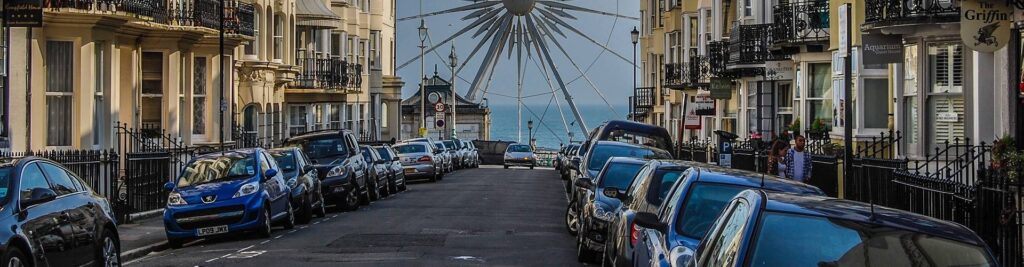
point(155, 9)
point(238, 16)
point(748, 44)
point(896, 12)
point(693, 74)
point(322, 73)
point(718, 59)
point(800, 21)
point(644, 97)
point(241, 19)
point(151, 158)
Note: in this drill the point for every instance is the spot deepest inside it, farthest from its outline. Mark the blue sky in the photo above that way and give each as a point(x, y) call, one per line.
point(610, 74)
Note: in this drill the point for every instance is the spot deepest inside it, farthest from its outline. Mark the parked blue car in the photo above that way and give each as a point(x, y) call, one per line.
point(695, 202)
point(230, 192)
point(760, 228)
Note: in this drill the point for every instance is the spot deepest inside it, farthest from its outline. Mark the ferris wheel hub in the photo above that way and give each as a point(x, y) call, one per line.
point(519, 7)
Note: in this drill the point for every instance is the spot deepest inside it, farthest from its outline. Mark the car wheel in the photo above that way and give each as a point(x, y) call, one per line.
point(572, 219)
point(374, 190)
point(352, 198)
point(15, 258)
point(109, 252)
point(364, 196)
point(289, 222)
point(307, 209)
point(265, 229)
point(320, 210)
point(531, 167)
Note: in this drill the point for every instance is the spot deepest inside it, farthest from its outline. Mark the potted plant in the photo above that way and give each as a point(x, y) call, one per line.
point(818, 130)
point(1002, 149)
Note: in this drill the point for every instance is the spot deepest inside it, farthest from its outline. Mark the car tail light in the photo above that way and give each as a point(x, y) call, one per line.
point(425, 158)
point(634, 234)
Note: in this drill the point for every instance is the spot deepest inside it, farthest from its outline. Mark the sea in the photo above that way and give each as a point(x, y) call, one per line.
point(548, 129)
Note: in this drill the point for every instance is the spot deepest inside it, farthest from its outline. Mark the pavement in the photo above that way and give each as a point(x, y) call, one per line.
point(476, 217)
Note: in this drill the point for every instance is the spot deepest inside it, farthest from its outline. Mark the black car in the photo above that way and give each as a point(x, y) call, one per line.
point(589, 167)
point(759, 228)
point(55, 219)
point(394, 165)
point(598, 209)
point(378, 171)
point(343, 172)
point(302, 178)
point(629, 132)
point(564, 160)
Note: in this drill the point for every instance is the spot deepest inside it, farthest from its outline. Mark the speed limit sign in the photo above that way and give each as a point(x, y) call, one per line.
point(439, 106)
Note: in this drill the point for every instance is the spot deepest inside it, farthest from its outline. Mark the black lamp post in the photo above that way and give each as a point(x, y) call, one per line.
point(453, 61)
point(634, 35)
point(529, 127)
point(423, 89)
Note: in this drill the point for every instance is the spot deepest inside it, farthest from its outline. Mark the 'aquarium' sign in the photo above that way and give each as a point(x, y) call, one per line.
point(985, 24)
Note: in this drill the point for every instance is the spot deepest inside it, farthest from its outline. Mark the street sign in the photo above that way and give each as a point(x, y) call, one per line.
point(439, 123)
point(844, 29)
point(439, 106)
point(725, 156)
point(985, 24)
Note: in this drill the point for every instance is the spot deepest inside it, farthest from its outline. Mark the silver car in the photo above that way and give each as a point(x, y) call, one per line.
point(447, 156)
point(419, 161)
point(458, 154)
point(520, 155)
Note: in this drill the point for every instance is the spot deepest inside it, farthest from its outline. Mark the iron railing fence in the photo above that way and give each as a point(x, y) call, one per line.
point(800, 21)
point(895, 12)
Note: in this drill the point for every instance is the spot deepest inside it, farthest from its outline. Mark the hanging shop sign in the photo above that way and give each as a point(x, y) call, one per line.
point(844, 29)
point(985, 24)
point(881, 49)
point(778, 70)
point(692, 121)
point(704, 104)
point(24, 13)
point(721, 88)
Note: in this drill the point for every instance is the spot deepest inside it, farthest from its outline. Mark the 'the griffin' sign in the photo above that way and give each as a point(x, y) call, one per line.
point(985, 24)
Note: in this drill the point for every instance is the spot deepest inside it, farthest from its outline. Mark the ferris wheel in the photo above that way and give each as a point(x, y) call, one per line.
point(529, 32)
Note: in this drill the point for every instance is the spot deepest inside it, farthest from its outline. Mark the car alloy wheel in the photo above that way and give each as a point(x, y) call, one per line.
point(321, 210)
point(307, 208)
point(289, 222)
point(374, 190)
point(266, 229)
point(111, 253)
point(352, 198)
point(572, 219)
point(15, 258)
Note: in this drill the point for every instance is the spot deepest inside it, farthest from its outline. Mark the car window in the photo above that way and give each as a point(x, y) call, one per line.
point(724, 247)
point(229, 166)
point(322, 148)
point(264, 164)
point(366, 154)
point(702, 205)
point(60, 182)
point(384, 153)
point(619, 175)
point(519, 148)
point(634, 188)
point(31, 178)
point(286, 160)
point(79, 183)
point(602, 153)
point(411, 148)
point(5, 183)
point(673, 201)
point(661, 182)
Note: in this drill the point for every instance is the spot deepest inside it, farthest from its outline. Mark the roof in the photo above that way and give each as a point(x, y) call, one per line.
point(626, 160)
point(316, 134)
point(316, 14)
point(861, 212)
point(438, 84)
point(214, 155)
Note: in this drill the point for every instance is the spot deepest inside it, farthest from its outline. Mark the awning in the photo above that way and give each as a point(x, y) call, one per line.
point(314, 13)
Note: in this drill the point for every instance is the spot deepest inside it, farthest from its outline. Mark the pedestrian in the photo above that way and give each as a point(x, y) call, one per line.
point(777, 158)
point(798, 161)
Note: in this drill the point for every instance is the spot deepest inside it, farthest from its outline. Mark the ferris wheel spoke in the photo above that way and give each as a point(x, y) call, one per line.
point(490, 58)
point(454, 10)
point(554, 70)
point(580, 70)
point(553, 4)
point(581, 34)
point(450, 38)
point(547, 80)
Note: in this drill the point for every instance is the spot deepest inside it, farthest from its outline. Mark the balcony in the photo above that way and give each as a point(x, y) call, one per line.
point(327, 74)
point(143, 8)
point(889, 13)
point(748, 45)
point(718, 57)
point(693, 74)
point(238, 16)
point(643, 102)
point(801, 22)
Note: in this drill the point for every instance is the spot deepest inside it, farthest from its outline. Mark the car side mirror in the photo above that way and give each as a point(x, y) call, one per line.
point(308, 169)
point(270, 173)
point(574, 164)
point(650, 221)
point(584, 183)
point(613, 192)
point(38, 196)
point(169, 186)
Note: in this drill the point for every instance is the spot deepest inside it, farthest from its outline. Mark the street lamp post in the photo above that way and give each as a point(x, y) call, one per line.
point(453, 62)
point(423, 89)
point(634, 35)
point(529, 128)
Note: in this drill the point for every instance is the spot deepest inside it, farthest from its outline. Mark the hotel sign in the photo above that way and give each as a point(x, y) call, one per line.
point(985, 24)
point(721, 88)
point(24, 13)
point(881, 49)
point(778, 70)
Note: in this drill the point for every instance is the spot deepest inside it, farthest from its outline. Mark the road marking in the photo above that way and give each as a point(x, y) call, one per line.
point(292, 231)
point(278, 237)
point(243, 249)
point(264, 242)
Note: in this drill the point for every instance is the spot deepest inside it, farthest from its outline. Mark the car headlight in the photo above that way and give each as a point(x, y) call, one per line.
point(603, 214)
point(291, 182)
point(247, 189)
point(175, 199)
point(336, 171)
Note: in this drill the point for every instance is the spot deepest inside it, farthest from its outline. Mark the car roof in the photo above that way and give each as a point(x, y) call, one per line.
point(315, 134)
point(617, 143)
point(715, 174)
point(820, 206)
point(214, 155)
point(626, 160)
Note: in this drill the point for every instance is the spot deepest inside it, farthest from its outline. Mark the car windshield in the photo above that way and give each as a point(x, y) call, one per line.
point(440, 146)
point(619, 175)
point(229, 166)
point(797, 240)
point(285, 160)
point(366, 154)
point(449, 144)
point(5, 183)
point(702, 206)
point(325, 147)
point(601, 154)
point(519, 148)
point(383, 151)
point(411, 148)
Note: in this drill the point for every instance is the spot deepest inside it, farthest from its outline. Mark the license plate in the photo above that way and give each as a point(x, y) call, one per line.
point(212, 230)
point(408, 171)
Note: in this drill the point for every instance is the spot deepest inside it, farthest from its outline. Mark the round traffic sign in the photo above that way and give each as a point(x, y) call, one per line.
point(439, 123)
point(439, 106)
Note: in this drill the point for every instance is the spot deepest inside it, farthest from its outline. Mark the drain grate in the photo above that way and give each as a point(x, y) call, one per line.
point(388, 240)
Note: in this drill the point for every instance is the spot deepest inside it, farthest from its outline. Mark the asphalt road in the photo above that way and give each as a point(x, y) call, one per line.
point(488, 217)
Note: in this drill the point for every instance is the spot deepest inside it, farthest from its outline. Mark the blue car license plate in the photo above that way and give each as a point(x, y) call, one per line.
point(212, 230)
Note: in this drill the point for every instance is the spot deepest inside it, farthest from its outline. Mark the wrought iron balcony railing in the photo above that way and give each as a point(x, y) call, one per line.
point(718, 57)
point(748, 44)
point(238, 16)
point(882, 13)
point(800, 21)
point(147, 8)
point(644, 98)
point(327, 73)
point(693, 74)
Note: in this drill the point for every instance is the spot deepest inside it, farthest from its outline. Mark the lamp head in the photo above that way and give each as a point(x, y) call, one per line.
point(423, 30)
point(634, 35)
